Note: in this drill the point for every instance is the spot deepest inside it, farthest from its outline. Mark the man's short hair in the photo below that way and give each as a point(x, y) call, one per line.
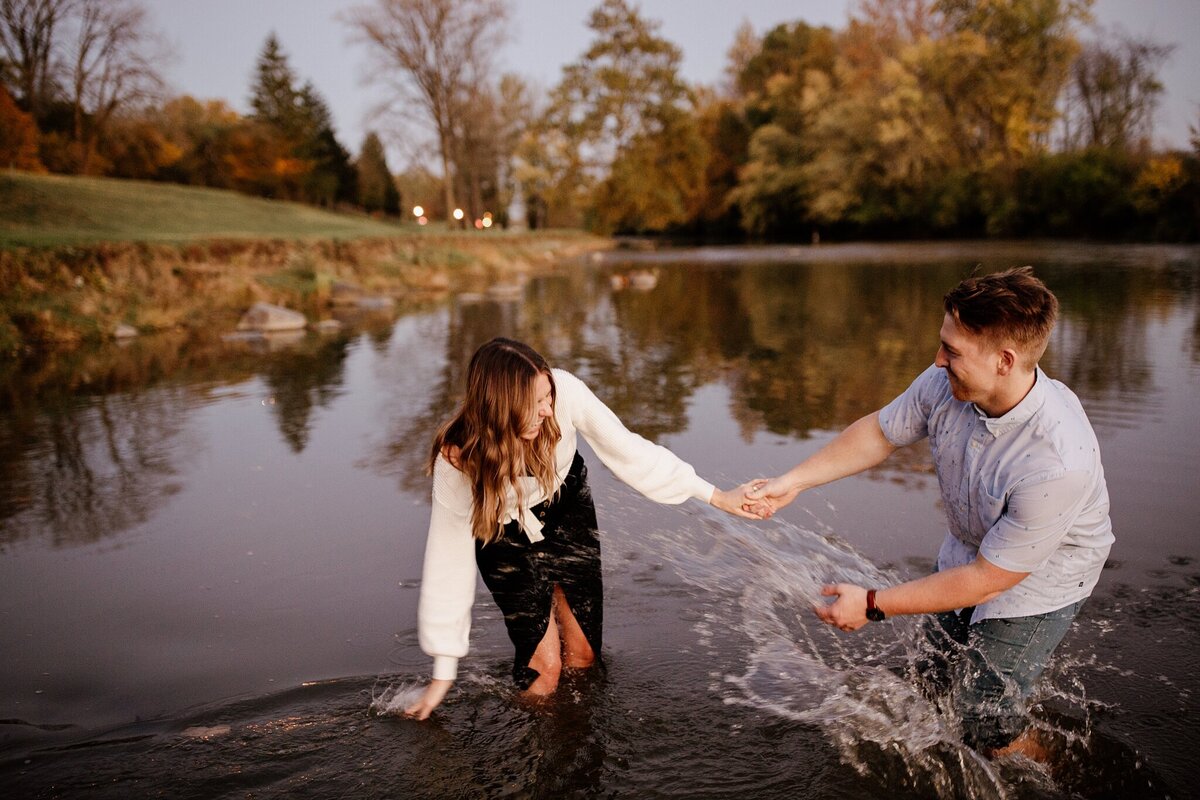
point(1010, 306)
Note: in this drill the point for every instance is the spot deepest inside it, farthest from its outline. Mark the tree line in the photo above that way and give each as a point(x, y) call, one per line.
point(918, 118)
point(81, 93)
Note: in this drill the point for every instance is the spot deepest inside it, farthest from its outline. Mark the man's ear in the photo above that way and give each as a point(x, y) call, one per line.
point(1007, 361)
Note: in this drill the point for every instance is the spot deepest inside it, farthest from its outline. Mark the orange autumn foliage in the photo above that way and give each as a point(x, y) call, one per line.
point(18, 137)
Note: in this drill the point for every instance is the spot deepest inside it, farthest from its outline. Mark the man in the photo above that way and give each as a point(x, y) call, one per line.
point(1023, 489)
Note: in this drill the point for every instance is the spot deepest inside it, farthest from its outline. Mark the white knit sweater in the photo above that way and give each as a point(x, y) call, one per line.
point(448, 579)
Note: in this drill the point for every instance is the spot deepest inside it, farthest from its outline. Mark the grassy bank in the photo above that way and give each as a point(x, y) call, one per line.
point(79, 256)
point(55, 210)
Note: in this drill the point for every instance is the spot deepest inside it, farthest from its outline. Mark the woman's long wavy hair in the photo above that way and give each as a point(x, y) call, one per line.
point(486, 429)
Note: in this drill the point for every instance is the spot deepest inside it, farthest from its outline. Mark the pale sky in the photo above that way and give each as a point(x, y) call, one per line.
point(215, 44)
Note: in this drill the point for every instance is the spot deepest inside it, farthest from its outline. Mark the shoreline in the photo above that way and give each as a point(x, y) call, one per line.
point(65, 296)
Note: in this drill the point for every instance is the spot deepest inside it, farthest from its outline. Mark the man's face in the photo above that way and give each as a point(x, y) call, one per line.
point(970, 361)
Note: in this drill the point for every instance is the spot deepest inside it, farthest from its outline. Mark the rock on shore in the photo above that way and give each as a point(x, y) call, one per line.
point(264, 317)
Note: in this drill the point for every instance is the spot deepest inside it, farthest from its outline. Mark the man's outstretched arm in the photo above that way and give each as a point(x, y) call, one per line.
point(960, 587)
point(859, 447)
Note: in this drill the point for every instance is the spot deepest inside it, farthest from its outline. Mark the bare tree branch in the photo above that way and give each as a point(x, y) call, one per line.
point(27, 48)
point(431, 53)
point(113, 66)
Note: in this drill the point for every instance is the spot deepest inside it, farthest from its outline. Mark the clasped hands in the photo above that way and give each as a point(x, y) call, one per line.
point(756, 499)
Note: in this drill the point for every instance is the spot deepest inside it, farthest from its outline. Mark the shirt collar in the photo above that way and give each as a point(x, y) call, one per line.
point(1021, 412)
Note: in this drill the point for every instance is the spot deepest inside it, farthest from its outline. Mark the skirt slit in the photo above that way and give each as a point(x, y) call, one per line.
point(521, 575)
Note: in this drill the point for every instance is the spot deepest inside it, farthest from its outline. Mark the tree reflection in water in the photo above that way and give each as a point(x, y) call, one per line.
point(91, 442)
point(301, 380)
point(803, 347)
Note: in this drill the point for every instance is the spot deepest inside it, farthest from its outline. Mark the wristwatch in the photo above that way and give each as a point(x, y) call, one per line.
point(874, 613)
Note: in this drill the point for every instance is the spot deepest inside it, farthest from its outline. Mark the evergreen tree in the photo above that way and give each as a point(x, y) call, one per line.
point(301, 117)
point(333, 178)
point(274, 96)
point(376, 187)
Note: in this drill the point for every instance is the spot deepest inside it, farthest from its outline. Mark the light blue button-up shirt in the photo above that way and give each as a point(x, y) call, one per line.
point(1025, 490)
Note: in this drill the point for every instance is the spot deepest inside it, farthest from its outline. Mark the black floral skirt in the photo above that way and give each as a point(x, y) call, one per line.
point(521, 575)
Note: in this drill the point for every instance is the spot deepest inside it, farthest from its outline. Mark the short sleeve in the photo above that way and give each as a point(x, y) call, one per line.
point(905, 420)
point(1038, 514)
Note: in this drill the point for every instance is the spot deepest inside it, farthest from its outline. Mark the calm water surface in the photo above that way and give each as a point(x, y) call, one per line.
point(210, 552)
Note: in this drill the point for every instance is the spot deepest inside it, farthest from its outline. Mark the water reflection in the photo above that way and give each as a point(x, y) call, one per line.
point(262, 483)
point(92, 442)
point(92, 439)
point(83, 473)
point(301, 380)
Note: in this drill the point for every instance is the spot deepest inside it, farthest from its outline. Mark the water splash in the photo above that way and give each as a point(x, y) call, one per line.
point(762, 582)
point(393, 700)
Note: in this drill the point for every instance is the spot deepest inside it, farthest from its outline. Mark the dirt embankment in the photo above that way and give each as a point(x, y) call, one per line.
point(68, 295)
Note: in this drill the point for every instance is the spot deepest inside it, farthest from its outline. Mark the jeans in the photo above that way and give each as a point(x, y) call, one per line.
point(989, 668)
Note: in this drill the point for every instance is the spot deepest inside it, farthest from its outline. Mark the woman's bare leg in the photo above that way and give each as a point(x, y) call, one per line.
point(577, 651)
point(564, 643)
point(547, 660)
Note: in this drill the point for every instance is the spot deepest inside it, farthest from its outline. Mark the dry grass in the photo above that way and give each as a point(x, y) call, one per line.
point(69, 295)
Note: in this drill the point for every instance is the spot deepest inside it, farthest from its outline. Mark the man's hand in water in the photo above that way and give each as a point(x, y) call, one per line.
point(433, 696)
point(849, 611)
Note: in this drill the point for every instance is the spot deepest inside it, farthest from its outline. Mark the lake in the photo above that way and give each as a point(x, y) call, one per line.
point(210, 550)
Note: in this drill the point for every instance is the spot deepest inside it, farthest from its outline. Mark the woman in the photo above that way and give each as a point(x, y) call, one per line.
point(510, 495)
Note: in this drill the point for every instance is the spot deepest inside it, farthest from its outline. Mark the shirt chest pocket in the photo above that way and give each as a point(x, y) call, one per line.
point(988, 508)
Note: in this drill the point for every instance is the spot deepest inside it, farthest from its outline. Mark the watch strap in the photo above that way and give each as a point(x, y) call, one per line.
point(874, 612)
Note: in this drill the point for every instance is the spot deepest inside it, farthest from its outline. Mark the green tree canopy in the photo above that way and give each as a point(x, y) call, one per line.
point(629, 118)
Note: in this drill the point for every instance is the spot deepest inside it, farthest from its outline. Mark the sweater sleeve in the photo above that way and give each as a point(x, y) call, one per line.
point(653, 470)
point(448, 577)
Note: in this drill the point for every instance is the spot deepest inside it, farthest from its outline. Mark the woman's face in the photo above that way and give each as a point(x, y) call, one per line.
point(543, 409)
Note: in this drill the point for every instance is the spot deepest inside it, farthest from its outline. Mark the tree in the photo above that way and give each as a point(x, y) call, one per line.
point(554, 185)
point(27, 44)
point(1113, 92)
point(656, 180)
point(317, 168)
point(1000, 68)
point(274, 96)
point(431, 53)
point(331, 177)
point(202, 133)
point(783, 87)
point(618, 90)
point(629, 117)
point(112, 67)
point(136, 147)
point(490, 126)
point(18, 137)
point(727, 136)
point(746, 44)
point(376, 187)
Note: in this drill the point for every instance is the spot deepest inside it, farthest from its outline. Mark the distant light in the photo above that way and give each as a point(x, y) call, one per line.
point(487, 215)
point(418, 211)
point(422, 220)
point(478, 224)
point(487, 222)
point(458, 213)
